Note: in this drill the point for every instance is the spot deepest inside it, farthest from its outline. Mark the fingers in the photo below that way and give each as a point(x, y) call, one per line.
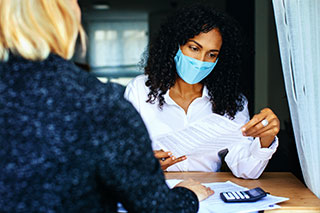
point(272, 130)
point(166, 159)
point(197, 183)
point(200, 190)
point(266, 130)
point(259, 128)
point(170, 161)
point(255, 128)
point(210, 191)
point(181, 158)
point(162, 154)
point(256, 120)
point(207, 193)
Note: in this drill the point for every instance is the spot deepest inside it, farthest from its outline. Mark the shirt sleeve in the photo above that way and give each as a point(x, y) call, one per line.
point(248, 159)
point(128, 167)
point(131, 94)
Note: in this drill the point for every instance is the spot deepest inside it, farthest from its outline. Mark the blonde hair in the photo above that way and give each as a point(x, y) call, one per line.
point(35, 28)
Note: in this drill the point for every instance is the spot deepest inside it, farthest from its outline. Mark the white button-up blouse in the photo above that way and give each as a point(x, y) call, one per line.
point(245, 160)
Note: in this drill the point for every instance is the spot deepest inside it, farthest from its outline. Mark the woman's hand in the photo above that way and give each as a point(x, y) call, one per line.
point(166, 159)
point(201, 191)
point(265, 125)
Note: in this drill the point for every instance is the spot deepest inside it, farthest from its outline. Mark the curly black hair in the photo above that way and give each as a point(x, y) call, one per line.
point(223, 83)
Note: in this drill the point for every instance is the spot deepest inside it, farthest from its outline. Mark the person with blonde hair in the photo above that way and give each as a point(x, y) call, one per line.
point(69, 143)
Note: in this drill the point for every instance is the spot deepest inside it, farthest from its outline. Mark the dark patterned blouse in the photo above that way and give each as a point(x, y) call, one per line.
point(69, 143)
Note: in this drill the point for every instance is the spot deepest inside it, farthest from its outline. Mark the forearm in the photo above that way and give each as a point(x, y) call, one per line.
point(248, 160)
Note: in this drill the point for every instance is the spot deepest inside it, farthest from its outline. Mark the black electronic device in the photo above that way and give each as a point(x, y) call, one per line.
point(243, 196)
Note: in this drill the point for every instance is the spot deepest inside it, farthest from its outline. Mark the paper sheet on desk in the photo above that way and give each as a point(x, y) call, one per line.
point(214, 132)
point(214, 204)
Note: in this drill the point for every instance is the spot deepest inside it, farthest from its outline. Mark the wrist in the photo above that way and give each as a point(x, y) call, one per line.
point(266, 141)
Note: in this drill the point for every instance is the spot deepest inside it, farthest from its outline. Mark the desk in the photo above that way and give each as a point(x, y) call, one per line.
point(283, 184)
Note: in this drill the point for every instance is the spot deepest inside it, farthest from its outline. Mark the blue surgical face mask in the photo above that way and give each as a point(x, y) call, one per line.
point(192, 70)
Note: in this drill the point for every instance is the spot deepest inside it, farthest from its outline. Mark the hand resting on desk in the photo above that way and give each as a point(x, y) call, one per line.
point(201, 191)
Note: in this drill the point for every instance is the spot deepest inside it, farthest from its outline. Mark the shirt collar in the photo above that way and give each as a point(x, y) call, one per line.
point(205, 92)
point(168, 99)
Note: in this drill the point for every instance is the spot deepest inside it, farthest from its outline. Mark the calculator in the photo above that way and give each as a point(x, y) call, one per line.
point(243, 196)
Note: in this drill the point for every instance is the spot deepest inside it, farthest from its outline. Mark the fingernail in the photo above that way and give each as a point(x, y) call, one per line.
point(169, 153)
point(244, 134)
point(243, 129)
point(173, 158)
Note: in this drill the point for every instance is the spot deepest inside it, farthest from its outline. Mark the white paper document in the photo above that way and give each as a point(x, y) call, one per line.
point(214, 132)
point(214, 204)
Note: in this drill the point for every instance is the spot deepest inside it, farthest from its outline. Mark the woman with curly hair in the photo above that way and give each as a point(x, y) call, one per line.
point(192, 70)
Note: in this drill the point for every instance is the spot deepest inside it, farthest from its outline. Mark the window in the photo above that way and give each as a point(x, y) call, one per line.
point(116, 47)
